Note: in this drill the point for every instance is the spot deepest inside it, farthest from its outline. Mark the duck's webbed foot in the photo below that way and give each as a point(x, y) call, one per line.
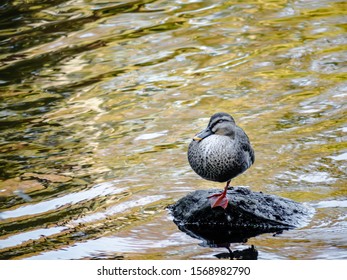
point(218, 199)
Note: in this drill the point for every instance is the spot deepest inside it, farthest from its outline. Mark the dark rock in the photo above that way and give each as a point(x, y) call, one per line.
point(248, 214)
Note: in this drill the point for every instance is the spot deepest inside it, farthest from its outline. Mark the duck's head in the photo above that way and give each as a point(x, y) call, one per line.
point(219, 124)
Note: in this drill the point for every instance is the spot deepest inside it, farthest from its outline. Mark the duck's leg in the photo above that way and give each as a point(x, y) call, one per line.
point(220, 199)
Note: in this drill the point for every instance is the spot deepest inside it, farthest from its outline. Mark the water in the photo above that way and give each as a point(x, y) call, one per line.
point(99, 100)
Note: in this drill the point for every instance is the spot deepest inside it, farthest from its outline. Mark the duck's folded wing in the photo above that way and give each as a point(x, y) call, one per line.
point(246, 145)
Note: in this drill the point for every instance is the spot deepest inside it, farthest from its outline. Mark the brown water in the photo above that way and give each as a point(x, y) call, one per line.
point(99, 100)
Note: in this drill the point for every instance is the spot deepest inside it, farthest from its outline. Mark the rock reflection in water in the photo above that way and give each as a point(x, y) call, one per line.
point(216, 237)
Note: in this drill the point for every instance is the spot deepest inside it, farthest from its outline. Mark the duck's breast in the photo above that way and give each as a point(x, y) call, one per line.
point(217, 158)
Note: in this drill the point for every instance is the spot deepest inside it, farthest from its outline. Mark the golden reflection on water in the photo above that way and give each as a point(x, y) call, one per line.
point(109, 95)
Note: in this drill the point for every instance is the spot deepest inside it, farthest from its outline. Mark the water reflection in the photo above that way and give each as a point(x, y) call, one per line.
point(106, 95)
point(212, 237)
point(58, 203)
point(224, 238)
point(246, 254)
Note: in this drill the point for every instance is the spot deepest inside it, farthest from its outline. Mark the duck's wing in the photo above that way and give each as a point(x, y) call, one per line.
point(245, 144)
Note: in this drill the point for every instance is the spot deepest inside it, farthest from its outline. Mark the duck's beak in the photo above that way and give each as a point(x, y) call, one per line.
point(203, 134)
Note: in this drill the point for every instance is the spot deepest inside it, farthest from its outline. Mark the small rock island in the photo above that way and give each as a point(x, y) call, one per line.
point(248, 214)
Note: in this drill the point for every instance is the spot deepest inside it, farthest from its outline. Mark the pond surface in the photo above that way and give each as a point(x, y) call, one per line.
point(100, 99)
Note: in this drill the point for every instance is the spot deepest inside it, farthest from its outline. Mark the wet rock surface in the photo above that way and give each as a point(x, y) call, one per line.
point(248, 214)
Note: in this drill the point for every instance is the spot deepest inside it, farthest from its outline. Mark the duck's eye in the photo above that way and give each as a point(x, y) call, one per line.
point(221, 121)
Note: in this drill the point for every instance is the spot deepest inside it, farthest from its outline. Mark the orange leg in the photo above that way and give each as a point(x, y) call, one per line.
point(220, 199)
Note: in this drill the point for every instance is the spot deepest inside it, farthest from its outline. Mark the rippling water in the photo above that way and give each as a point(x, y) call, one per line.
point(99, 100)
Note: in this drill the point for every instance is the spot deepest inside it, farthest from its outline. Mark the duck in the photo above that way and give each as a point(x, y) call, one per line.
point(219, 153)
